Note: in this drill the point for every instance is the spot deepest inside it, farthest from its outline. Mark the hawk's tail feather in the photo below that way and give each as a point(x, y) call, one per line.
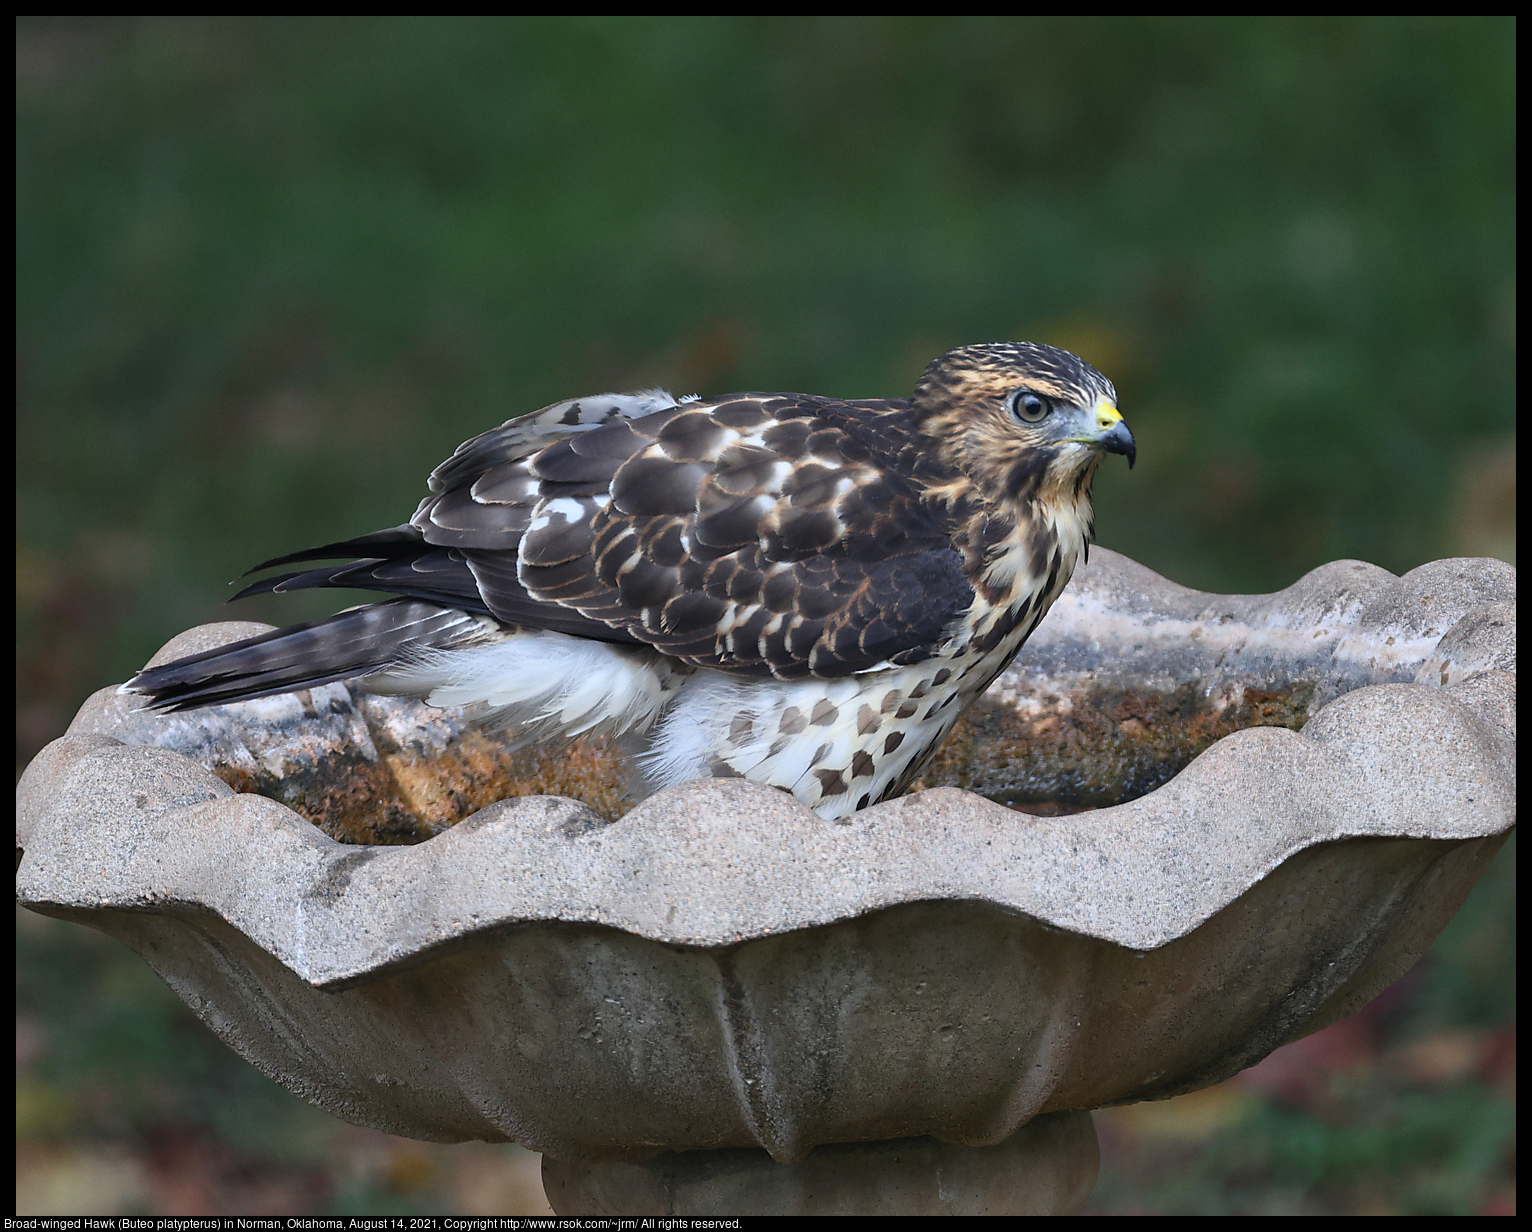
point(358, 642)
point(402, 540)
point(433, 576)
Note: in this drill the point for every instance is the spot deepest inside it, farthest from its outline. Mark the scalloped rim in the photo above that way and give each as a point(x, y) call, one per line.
point(718, 861)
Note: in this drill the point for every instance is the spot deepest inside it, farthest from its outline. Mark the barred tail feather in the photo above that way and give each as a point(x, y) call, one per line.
point(354, 643)
point(541, 684)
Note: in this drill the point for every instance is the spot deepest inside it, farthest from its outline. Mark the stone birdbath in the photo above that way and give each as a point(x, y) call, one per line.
point(1182, 830)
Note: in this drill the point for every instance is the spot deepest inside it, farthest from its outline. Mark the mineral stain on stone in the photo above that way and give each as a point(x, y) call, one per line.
point(1100, 747)
point(1047, 755)
point(424, 778)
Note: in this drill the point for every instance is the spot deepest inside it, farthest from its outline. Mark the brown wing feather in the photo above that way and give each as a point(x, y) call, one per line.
point(760, 534)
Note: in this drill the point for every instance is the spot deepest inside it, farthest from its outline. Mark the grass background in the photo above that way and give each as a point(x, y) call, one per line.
point(270, 271)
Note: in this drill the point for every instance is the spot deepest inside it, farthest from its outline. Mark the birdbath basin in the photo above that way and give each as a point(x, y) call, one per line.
point(1182, 830)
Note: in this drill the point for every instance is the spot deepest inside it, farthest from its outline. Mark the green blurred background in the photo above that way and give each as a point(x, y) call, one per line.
point(271, 271)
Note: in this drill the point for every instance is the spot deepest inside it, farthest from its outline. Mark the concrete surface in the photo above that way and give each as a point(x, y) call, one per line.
point(1048, 1167)
point(723, 969)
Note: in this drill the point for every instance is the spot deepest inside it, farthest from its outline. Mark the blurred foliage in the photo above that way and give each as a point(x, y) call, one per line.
point(270, 271)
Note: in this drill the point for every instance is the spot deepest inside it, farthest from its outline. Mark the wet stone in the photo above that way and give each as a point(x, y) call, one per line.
point(1099, 747)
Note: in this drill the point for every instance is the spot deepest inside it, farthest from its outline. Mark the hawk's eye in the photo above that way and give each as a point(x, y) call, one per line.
point(1029, 407)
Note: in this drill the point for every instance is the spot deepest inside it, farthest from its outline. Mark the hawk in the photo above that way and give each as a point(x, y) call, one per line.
point(801, 590)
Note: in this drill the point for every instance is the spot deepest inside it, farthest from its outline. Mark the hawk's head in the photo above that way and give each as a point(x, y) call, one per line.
point(1021, 419)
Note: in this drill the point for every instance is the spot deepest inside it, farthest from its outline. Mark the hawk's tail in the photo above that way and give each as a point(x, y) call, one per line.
point(359, 642)
point(544, 684)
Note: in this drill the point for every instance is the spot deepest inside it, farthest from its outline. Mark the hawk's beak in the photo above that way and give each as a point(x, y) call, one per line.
point(1112, 435)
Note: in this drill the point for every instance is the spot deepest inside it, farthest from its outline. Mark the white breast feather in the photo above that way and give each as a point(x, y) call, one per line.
point(740, 722)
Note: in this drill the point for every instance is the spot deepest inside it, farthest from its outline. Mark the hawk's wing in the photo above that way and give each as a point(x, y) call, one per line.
point(760, 534)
